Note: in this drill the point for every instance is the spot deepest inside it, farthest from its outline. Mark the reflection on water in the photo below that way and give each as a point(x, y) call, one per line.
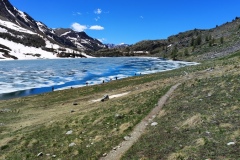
point(23, 93)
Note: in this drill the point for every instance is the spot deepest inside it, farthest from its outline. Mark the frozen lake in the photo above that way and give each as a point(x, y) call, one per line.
point(28, 77)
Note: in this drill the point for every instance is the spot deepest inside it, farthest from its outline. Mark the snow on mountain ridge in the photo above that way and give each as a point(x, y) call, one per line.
point(23, 15)
point(3, 30)
point(41, 27)
point(65, 33)
point(19, 27)
point(15, 27)
point(8, 9)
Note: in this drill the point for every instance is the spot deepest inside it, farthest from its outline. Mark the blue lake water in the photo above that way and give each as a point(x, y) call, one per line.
point(29, 77)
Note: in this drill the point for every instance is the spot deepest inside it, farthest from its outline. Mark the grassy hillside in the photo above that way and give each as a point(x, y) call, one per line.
point(195, 45)
point(197, 122)
point(201, 120)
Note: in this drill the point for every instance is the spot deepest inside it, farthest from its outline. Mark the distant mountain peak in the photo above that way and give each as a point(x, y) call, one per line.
point(121, 45)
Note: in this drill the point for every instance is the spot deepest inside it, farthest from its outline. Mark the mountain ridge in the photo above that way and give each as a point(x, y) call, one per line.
point(191, 45)
point(15, 22)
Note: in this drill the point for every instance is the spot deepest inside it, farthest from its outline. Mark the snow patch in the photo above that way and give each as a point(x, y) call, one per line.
point(65, 33)
point(112, 96)
point(41, 27)
point(3, 30)
point(20, 51)
point(15, 27)
point(23, 15)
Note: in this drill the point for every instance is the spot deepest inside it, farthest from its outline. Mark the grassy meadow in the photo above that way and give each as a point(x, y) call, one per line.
point(197, 122)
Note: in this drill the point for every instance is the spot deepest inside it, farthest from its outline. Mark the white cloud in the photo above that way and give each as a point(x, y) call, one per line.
point(77, 13)
point(96, 19)
point(141, 17)
point(96, 27)
point(78, 27)
point(98, 11)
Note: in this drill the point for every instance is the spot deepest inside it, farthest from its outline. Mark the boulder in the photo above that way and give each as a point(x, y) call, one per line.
point(105, 97)
point(39, 154)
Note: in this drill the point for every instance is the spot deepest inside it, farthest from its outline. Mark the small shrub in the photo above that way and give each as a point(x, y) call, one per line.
point(4, 147)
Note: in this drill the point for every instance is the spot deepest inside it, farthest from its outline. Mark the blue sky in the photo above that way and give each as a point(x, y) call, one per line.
point(130, 21)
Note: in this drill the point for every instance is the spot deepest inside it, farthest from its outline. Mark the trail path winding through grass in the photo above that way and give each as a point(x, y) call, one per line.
point(139, 129)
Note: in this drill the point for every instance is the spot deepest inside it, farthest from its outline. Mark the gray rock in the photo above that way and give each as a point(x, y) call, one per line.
point(105, 154)
point(39, 154)
point(118, 116)
point(5, 110)
point(72, 144)
point(117, 147)
point(69, 132)
point(126, 138)
point(54, 156)
point(75, 103)
point(154, 124)
point(230, 143)
point(105, 97)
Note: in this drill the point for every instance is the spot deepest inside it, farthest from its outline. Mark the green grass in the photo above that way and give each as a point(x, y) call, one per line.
point(86, 127)
point(96, 130)
point(199, 120)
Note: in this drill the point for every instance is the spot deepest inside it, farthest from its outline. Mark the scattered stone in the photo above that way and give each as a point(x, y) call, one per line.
point(2, 124)
point(208, 133)
point(118, 116)
point(209, 94)
point(72, 144)
point(115, 148)
point(48, 154)
point(210, 69)
point(5, 110)
point(127, 138)
point(75, 103)
point(39, 154)
point(105, 97)
point(72, 111)
point(69, 132)
point(154, 124)
point(230, 143)
point(54, 156)
point(104, 155)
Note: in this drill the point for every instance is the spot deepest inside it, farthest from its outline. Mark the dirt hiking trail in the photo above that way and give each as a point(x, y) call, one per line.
point(119, 151)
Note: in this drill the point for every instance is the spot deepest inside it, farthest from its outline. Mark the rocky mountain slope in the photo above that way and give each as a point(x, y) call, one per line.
point(17, 27)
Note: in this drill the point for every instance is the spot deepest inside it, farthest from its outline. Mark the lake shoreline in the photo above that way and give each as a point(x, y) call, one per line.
point(30, 77)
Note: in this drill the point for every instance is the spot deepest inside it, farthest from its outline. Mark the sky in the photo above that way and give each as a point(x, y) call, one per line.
point(130, 21)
